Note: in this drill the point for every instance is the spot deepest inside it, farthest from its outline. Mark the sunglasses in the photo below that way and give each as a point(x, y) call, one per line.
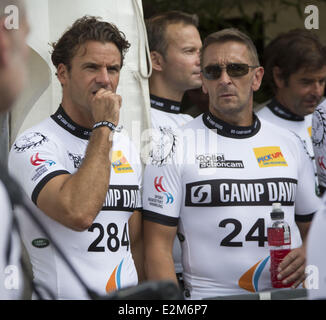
point(213, 72)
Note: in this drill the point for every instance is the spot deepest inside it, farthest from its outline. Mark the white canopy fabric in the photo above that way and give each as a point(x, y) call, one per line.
point(48, 20)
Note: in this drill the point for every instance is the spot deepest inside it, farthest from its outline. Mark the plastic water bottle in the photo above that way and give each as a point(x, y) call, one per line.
point(279, 242)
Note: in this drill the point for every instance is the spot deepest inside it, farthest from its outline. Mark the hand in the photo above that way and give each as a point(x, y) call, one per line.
point(292, 268)
point(106, 106)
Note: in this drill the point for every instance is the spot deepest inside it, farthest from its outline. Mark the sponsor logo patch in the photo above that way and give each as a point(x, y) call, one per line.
point(233, 192)
point(76, 158)
point(163, 146)
point(321, 163)
point(319, 129)
point(217, 161)
point(40, 243)
point(36, 160)
point(270, 157)
point(201, 194)
point(29, 141)
point(120, 163)
point(158, 200)
point(41, 165)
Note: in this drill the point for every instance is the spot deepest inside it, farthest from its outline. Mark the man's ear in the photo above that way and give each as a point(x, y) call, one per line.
point(62, 73)
point(278, 79)
point(4, 44)
point(157, 61)
point(258, 77)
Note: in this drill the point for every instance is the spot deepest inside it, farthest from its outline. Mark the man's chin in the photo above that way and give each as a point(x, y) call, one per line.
point(195, 84)
point(309, 108)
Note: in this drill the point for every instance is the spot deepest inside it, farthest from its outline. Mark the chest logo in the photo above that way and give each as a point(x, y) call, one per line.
point(120, 163)
point(218, 161)
point(270, 157)
point(201, 194)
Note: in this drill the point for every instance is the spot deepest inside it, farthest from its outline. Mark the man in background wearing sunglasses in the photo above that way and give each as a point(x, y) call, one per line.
point(226, 172)
point(174, 43)
point(295, 65)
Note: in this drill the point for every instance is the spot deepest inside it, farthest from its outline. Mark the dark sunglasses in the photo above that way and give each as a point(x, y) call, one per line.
point(213, 72)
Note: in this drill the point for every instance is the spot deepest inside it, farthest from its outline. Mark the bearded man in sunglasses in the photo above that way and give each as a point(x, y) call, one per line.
point(218, 188)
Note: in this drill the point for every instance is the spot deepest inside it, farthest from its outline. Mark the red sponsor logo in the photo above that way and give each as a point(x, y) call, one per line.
point(158, 184)
point(35, 160)
point(321, 163)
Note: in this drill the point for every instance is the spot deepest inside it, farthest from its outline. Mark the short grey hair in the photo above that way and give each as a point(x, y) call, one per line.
point(230, 34)
point(157, 25)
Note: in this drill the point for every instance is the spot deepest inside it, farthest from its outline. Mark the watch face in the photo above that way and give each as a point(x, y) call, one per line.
point(318, 128)
point(28, 141)
point(163, 146)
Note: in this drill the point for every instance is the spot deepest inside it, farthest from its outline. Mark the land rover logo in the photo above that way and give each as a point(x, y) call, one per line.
point(40, 243)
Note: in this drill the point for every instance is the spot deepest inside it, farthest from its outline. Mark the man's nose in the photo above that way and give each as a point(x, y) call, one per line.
point(318, 88)
point(103, 77)
point(198, 58)
point(224, 77)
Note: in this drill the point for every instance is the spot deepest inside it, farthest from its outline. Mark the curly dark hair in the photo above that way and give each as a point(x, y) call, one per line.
point(87, 28)
point(292, 51)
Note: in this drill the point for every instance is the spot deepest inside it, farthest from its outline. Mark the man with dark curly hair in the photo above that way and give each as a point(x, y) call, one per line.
point(295, 64)
point(82, 172)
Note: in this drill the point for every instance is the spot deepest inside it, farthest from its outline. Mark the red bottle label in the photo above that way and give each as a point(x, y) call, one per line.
point(278, 237)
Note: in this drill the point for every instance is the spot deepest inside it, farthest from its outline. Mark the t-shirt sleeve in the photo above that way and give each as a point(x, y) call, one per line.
point(34, 160)
point(319, 142)
point(307, 202)
point(162, 190)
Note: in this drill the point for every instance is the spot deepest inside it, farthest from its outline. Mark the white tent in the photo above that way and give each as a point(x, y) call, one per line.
point(48, 19)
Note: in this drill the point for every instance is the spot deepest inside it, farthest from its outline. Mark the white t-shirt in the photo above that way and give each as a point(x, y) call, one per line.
point(11, 277)
point(101, 255)
point(166, 115)
point(275, 113)
point(218, 187)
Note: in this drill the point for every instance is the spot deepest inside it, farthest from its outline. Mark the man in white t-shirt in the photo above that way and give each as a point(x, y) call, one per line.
point(83, 173)
point(174, 43)
point(13, 57)
point(295, 69)
point(217, 187)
